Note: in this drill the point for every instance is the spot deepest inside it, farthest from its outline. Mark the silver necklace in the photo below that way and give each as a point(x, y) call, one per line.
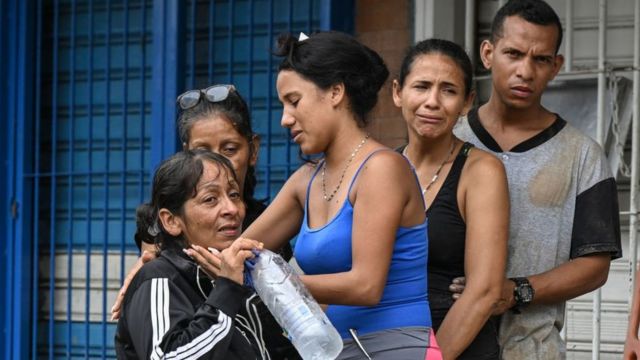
point(344, 171)
point(436, 174)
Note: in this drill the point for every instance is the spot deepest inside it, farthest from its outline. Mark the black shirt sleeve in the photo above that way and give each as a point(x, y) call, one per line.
point(596, 224)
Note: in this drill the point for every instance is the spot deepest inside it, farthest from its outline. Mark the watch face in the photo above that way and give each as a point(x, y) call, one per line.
point(525, 293)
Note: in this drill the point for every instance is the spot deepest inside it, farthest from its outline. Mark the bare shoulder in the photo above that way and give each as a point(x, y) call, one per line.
point(483, 165)
point(386, 162)
point(298, 181)
point(387, 169)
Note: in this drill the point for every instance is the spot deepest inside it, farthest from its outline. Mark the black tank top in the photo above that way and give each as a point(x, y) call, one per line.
point(447, 231)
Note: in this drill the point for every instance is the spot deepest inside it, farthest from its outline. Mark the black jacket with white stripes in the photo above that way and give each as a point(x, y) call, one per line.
point(166, 315)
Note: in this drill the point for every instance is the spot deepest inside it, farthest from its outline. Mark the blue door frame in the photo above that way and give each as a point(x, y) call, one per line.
point(20, 21)
point(17, 34)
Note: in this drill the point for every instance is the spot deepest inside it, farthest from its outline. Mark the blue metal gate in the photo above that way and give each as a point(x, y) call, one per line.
point(89, 87)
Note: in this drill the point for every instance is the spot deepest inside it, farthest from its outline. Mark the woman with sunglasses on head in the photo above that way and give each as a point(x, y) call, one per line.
point(465, 193)
point(173, 308)
point(222, 124)
point(216, 119)
point(357, 212)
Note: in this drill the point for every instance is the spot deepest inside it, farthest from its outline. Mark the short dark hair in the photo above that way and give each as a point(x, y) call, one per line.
point(534, 11)
point(439, 46)
point(174, 183)
point(329, 58)
point(144, 225)
point(233, 108)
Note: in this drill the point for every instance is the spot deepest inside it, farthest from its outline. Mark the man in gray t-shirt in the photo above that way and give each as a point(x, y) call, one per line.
point(564, 226)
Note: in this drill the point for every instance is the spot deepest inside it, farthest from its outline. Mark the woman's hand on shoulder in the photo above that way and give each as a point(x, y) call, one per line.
point(144, 258)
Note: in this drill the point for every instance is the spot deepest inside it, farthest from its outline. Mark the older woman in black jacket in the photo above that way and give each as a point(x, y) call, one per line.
point(173, 308)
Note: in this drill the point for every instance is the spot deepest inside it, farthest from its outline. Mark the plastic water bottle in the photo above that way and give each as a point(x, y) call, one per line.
point(292, 306)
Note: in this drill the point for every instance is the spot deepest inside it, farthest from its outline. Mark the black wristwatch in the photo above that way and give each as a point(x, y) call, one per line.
point(522, 293)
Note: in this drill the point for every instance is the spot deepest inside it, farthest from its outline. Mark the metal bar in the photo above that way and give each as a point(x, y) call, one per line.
point(310, 17)
point(325, 14)
point(143, 101)
point(8, 341)
point(602, 23)
point(212, 40)
point(19, 63)
point(230, 40)
point(249, 95)
point(290, 17)
point(90, 176)
point(635, 156)
point(52, 204)
point(123, 149)
point(470, 29)
point(80, 173)
point(269, 101)
point(36, 187)
point(568, 38)
point(70, 178)
point(192, 47)
point(600, 135)
point(165, 80)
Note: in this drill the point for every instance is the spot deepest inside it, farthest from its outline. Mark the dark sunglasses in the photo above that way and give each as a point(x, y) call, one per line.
point(215, 93)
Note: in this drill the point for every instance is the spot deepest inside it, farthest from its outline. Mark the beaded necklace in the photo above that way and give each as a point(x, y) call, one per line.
point(344, 171)
point(437, 172)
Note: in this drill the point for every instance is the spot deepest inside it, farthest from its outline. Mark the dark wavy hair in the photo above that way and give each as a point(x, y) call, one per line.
point(235, 109)
point(439, 46)
point(174, 183)
point(330, 58)
point(534, 11)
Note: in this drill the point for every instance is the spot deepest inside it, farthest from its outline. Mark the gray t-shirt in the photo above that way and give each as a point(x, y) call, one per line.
point(563, 205)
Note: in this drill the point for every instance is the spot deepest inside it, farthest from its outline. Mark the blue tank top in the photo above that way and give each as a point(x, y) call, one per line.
point(327, 250)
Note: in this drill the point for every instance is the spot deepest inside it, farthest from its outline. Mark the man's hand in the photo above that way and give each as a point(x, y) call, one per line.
point(457, 287)
point(143, 259)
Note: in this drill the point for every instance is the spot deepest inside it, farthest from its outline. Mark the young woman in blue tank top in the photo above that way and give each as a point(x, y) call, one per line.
point(358, 212)
point(465, 192)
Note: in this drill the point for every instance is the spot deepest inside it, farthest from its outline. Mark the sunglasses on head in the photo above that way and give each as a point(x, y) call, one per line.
point(215, 93)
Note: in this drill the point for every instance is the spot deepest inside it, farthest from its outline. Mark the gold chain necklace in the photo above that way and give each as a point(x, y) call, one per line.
point(344, 171)
point(436, 174)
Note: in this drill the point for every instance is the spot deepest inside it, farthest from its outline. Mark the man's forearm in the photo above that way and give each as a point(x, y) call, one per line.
point(571, 279)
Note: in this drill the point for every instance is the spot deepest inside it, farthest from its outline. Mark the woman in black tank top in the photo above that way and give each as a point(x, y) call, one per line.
point(465, 194)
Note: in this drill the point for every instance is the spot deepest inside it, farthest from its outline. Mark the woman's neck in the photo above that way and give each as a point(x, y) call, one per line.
point(429, 152)
point(347, 140)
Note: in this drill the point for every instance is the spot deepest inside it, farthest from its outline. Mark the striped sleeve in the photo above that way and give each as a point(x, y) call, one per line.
point(164, 325)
